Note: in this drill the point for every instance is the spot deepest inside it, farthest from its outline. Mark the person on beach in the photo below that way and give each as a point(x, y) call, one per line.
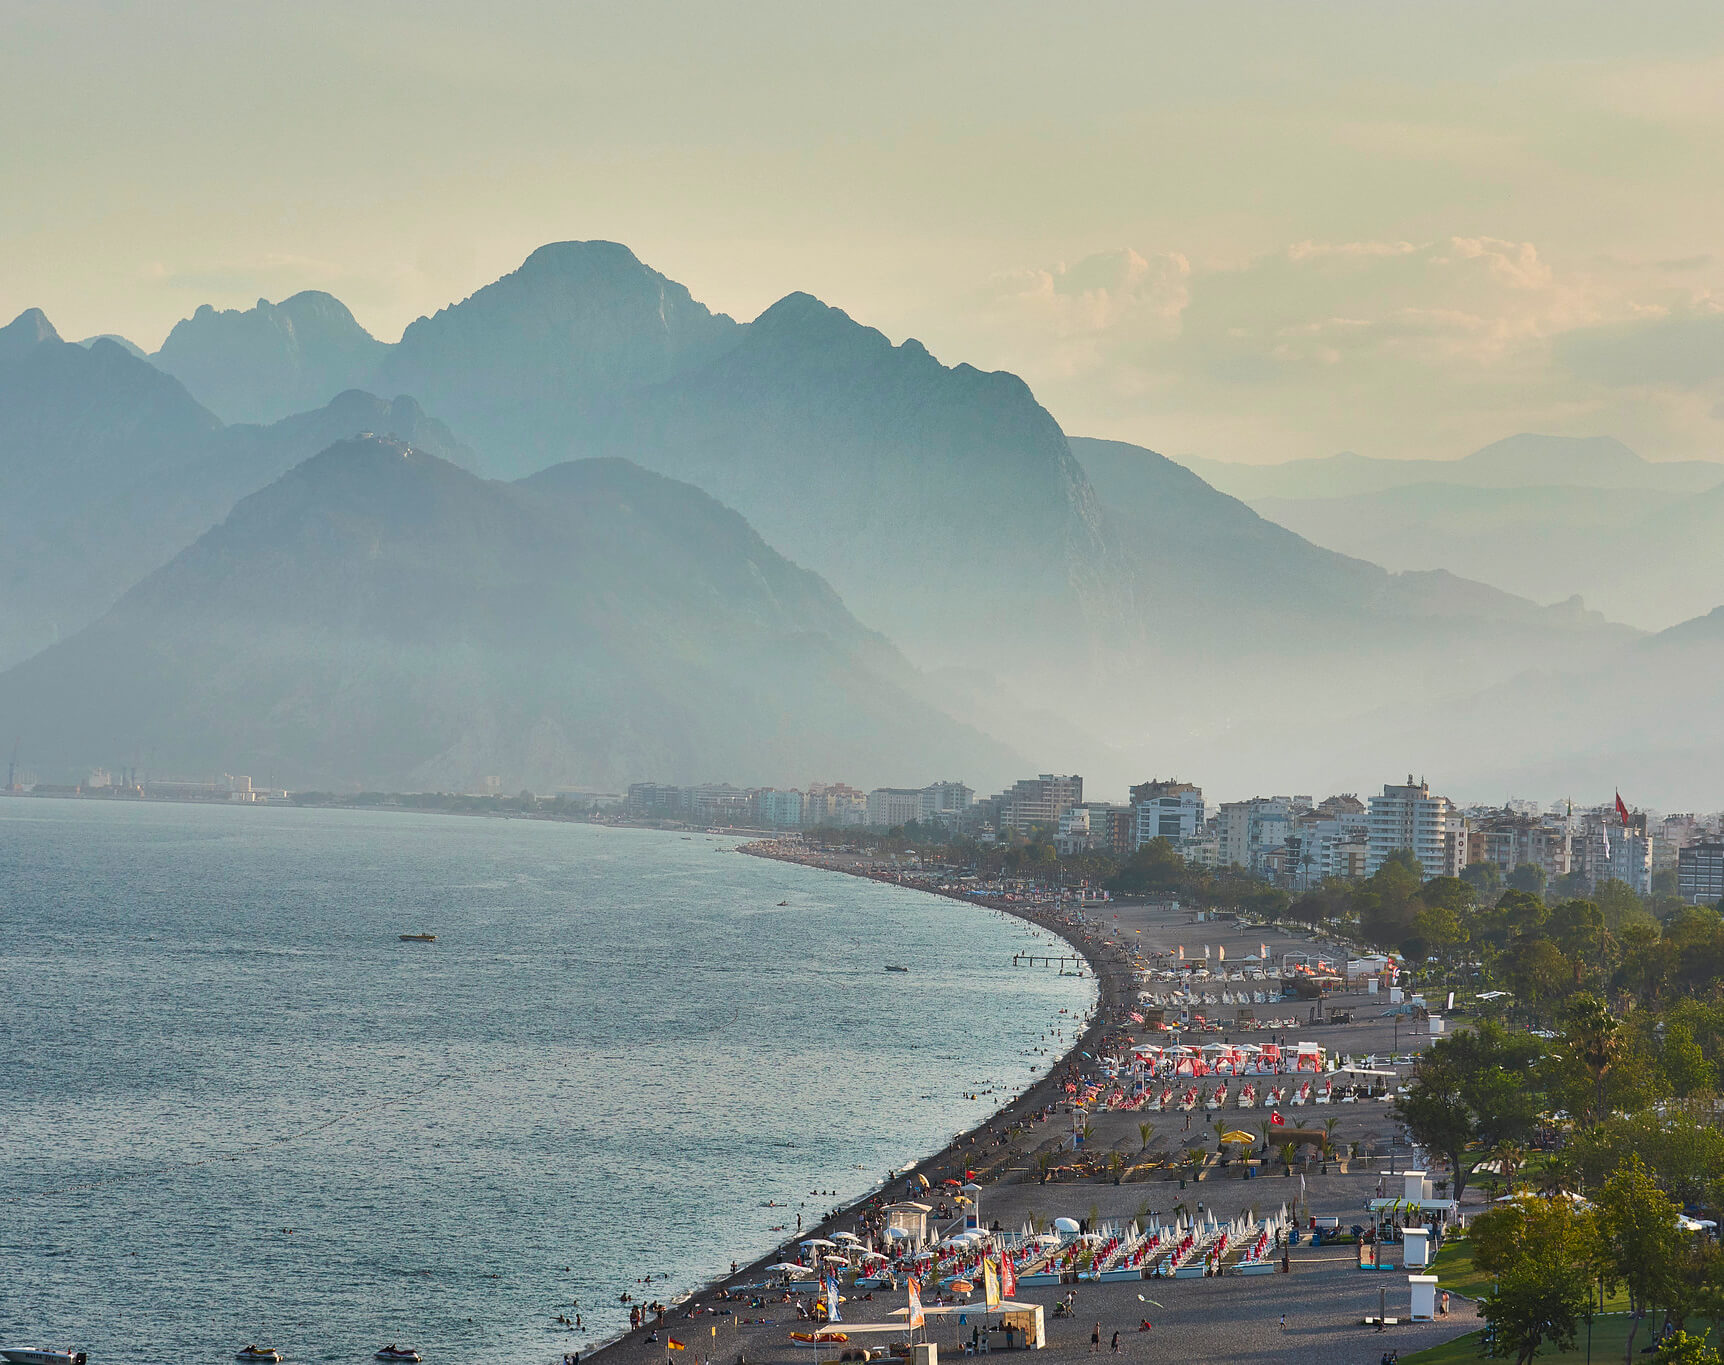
point(1116, 1343)
point(1095, 1339)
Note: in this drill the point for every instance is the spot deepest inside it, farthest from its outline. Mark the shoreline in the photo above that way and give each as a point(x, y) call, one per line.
point(1115, 988)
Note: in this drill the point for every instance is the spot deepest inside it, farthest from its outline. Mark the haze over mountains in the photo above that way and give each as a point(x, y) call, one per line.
point(1543, 516)
point(380, 617)
point(1089, 604)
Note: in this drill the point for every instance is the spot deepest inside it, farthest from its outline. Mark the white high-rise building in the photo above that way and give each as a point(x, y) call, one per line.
point(1168, 810)
point(1411, 818)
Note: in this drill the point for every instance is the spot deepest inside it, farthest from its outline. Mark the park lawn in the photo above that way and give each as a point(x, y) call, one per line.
point(1609, 1341)
point(1456, 1272)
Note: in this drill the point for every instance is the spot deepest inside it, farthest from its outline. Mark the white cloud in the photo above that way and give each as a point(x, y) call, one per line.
point(1394, 347)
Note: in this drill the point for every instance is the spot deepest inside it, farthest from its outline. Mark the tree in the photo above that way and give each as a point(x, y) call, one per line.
point(1543, 1254)
point(1472, 1090)
point(1386, 900)
point(1686, 1070)
point(1681, 1349)
point(1685, 1155)
point(1595, 1036)
point(1577, 928)
point(1534, 969)
point(1641, 1244)
point(1484, 878)
point(1528, 877)
point(1619, 903)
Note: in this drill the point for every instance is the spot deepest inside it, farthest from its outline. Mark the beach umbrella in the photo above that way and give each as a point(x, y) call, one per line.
point(898, 1234)
point(1238, 1135)
point(1065, 1225)
point(819, 1242)
point(790, 1267)
point(847, 1237)
point(963, 1287)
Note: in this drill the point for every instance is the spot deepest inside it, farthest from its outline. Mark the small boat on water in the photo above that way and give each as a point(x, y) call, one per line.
point(24, 1356)
point(260, 1353)
point(394, 1352)
point(419, 938)
point(893, 968)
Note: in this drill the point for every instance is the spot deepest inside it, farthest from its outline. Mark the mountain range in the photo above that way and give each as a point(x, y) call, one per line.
point(1542, 516)
point(380, 617)
point(1087, 602)
point(108, 468)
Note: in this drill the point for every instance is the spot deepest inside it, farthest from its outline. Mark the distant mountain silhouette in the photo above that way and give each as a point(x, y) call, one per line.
point(1528, 460)
point(108, 468)
point(130, 347)
point(271, 360)
point(1542, 516)
point(1644, 720)
point(942, 503)
point(1248, 625)
point(379, 617)
point(525, 366)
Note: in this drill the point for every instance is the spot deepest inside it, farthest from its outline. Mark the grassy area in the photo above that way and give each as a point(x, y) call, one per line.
point(1609, 1341)
point(1456, 1272)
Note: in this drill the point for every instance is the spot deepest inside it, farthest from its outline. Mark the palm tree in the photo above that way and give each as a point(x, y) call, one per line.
point(1596, 1036)
point(1146, 1131)
point(1265, 1127)
point(1509, 1155)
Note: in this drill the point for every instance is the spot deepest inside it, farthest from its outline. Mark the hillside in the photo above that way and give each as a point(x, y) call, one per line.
point(380, 617)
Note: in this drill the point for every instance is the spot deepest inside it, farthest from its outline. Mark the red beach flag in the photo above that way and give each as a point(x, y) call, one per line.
point(1008, 1277)
point(674, 1344)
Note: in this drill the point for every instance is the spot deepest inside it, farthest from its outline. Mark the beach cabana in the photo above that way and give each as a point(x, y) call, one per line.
point(907, 1221)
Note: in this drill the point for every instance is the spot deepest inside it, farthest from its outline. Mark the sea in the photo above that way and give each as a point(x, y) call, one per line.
point(236, 1107)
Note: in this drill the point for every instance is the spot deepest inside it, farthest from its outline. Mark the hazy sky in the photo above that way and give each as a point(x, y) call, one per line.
point(1252, 231)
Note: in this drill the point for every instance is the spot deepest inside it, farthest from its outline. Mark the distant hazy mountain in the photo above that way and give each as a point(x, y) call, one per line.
point(108, 468)
point(1644, 720)
point(1544, 517)
point(130, 347)
point(1256, 636)
point(525, 366)
point(1524, 461)
point(76, 421)
point(271, 360)
point(378, 617)
point(942, 503)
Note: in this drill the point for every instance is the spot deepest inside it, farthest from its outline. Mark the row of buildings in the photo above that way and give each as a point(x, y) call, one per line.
point(1291, 841)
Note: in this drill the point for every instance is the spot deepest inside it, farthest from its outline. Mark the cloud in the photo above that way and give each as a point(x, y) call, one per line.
point(1391, 346)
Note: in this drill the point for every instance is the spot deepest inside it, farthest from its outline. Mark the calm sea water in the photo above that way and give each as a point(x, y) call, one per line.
point(235, 1107)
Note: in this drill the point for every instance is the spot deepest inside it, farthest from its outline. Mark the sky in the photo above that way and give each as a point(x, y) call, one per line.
point(1248, 231)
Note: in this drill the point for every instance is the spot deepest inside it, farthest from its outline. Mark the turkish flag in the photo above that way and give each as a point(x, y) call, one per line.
point(1277, 1120)
point(1621, 809)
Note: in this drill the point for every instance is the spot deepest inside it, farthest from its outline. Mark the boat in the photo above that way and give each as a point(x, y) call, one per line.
point(23, 1356)
point(419, 938)
point(393, 1352)
point(260, 1353)
point(892, 968)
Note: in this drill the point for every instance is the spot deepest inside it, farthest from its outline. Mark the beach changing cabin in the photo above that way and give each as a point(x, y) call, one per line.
point(907, 1222)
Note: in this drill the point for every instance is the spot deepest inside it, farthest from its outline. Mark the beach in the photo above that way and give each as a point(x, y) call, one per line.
point(1304, 1314)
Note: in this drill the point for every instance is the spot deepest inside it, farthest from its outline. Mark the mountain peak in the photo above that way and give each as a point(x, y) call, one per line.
point(594, 257)
point(270, 360)
point(24, 333)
